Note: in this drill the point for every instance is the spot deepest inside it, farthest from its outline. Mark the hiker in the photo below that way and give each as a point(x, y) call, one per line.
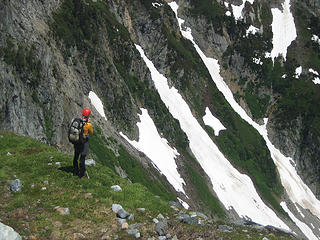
point(81, 147)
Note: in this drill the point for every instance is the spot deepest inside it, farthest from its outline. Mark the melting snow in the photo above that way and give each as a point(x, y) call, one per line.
point(237, 10)
point(298, 72)
point(158, 150)
point(257, 61)
point(238, 190)
point(213, 122)
point(156, 5)
point(284, 30)
point(252, 30)
point(228, 13)
point(315, 38)
point(97, 103)
point(297, 191)
point(313, 71)
point(184, 204)
point(316, 80)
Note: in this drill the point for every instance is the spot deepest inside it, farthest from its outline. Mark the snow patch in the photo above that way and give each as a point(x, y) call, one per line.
point(252, 30)
point(298, 72)
point(228, 13)
point(97, 103)
point(158, 150)
point(284, 30)
point(315, 38)
point(316, 79)
point(257, 61)
point(184, 204)
point(213, 122)
point(237, 10)
point(313, 71)
point(156, 5)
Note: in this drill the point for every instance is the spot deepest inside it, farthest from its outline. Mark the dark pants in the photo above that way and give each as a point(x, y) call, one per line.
point(81, 150)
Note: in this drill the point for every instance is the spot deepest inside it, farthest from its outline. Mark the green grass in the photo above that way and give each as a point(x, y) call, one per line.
point(29, 162)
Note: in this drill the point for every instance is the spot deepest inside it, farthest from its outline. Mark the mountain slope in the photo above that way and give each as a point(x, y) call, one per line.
point(53, 54)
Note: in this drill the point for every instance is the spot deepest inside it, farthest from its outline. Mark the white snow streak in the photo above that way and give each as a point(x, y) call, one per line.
point(97, 103)
point(298, 191)
point(303, 227)
point(184, 204)
point(158, 150)
point(284, 30)
point(213, 122)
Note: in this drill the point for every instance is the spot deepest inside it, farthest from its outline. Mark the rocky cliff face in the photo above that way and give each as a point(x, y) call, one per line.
point(53, 53)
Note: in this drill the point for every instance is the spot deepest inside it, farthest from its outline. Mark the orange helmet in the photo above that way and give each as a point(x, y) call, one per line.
point(86, 112)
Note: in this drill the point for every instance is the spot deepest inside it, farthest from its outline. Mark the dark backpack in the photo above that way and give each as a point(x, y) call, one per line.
point(75, 133)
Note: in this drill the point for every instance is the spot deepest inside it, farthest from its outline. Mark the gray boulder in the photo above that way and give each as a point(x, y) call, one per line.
point(116, 188)
point(161, 228)
point(116, 208)
point(191, 220)
point(90, 162)
point(175, 204)
point(121, 221)
point(123, 213)
point(7, 233)
point(225, 228)
point(134, 232)
point(15, 185)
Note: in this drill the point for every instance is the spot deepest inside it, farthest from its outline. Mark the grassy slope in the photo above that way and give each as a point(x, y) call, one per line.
point(31, 212)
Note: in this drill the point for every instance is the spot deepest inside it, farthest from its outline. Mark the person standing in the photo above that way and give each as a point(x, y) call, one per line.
point(81, 148)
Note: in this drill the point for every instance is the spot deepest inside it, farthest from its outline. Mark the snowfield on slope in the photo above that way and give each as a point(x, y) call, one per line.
point(157, 149)
point(284, 30)
point(235, 190)
point(97, 103)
